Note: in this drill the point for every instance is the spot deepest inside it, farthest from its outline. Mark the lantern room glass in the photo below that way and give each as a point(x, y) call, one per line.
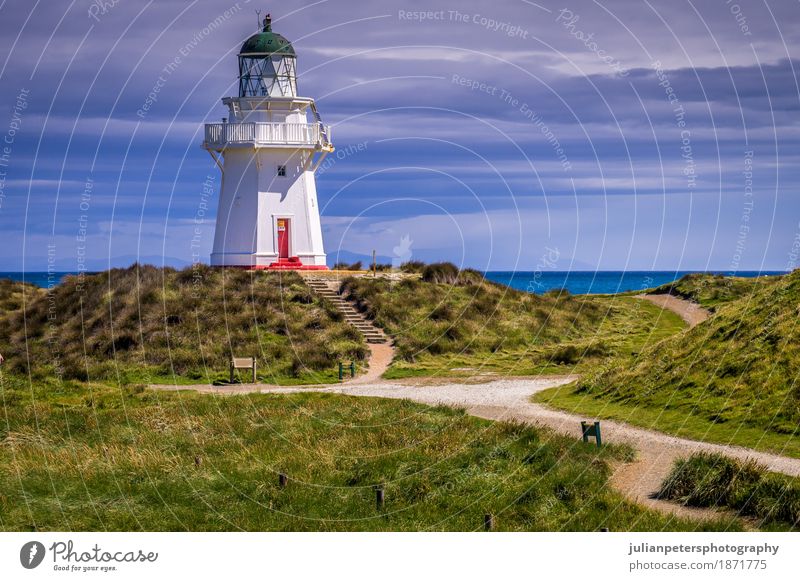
point(267, 76)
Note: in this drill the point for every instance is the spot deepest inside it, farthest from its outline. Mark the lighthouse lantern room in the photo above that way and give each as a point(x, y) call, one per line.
point(268, 151)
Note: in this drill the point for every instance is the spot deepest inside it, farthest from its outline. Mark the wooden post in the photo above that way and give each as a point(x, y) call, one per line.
point(283, 479)
point(488, 522)
point(379, 497)
point(352, 369)
point(374, 265)
point(255, 373)
point(597, 434)
point(231, 370)
point(341, 371)
point(584, 432)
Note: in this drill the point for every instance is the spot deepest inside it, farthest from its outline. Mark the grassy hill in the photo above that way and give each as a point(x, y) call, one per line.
point(447, 321)
point(714, 290)
point(14, 294)
point(91, 457)
point(734, 378)
point(150, 324)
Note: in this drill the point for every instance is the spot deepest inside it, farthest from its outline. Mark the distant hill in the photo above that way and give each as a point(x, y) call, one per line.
point(144, 323)
point(348, 257)
point(68, 264)
point(740, 367)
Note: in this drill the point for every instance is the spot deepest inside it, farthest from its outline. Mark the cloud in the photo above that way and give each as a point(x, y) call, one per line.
point(489, 108)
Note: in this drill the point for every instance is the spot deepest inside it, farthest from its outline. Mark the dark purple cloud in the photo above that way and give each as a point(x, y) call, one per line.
point(489, 131)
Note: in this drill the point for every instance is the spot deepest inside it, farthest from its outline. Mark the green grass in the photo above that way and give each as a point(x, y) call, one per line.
point(466, 326)
point(712, 480)
point(150, 325)
point(14, 294)
point(87, 457)
point(732, 379)
point(677, 422)
point(714, 290)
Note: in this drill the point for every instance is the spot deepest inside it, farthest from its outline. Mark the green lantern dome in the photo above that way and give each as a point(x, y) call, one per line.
point(267, 65)
point(267, 42)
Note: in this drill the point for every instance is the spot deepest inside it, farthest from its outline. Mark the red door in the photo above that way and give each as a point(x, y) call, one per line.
point(283, 238)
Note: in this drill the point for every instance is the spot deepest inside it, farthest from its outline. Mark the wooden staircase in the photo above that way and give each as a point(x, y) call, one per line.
point(329, 289)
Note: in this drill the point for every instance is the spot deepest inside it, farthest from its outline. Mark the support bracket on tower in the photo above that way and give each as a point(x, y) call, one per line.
point(216, 160)
point(323, 152)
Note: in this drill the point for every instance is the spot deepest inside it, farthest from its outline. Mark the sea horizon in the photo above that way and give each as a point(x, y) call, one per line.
point(533, 281)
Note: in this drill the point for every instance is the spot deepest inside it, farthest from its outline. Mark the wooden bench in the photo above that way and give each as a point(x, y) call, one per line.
point(243, 363)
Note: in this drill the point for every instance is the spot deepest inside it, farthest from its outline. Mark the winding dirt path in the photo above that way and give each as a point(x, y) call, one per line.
point(509, 399)
point(690, 312)
point(380, 357)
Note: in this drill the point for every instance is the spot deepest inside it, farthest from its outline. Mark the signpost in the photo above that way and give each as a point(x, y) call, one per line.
point(591, 430)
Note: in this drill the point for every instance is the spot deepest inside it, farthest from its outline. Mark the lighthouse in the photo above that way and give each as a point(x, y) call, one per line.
point(268, 148)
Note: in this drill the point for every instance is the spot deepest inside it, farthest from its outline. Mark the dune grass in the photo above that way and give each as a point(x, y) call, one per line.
point(677, 422)
point(147, 324)
point(714, 290)
point(88, 457)
point(713, 480)
point(451, 323)
point(734, 378)
point(14, 294)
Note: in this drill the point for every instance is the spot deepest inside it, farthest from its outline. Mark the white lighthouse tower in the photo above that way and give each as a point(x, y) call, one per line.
point(268, 151)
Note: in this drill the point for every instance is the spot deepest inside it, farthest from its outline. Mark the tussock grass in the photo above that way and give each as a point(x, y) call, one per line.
point(714, 290)
point(14, 294)
point(713, 480)
point(734, 378)
point(347, 266)
point(448, 273)
point(412, 266)
point(145, 323)
point(104, 458)
point(454, 319)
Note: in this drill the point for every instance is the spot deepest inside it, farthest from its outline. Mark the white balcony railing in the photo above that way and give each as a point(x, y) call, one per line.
point(219, 135)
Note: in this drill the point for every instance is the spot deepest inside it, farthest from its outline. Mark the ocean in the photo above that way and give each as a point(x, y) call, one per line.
point(600, 282)
point(576, 282)
point(41, 279)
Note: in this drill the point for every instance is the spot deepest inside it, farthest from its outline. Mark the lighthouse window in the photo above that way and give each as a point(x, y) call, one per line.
point(282, 171)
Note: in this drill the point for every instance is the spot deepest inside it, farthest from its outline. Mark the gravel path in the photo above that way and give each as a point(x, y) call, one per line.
point(690, 312)
point(509, 399)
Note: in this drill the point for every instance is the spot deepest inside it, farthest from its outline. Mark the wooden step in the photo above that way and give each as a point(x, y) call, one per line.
point(352, 316)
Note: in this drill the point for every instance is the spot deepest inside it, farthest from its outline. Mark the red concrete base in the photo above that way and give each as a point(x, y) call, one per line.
point(293, 263)
point(279, 267)
point(276, 266)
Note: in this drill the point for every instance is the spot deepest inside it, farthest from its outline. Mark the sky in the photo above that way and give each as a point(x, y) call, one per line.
point(505, 135)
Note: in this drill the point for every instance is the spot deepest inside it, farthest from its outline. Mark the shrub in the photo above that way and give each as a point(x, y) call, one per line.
point(345, 266)
point(412, 266)
point(440, 273)
point(567, 355)
point(709, 480)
